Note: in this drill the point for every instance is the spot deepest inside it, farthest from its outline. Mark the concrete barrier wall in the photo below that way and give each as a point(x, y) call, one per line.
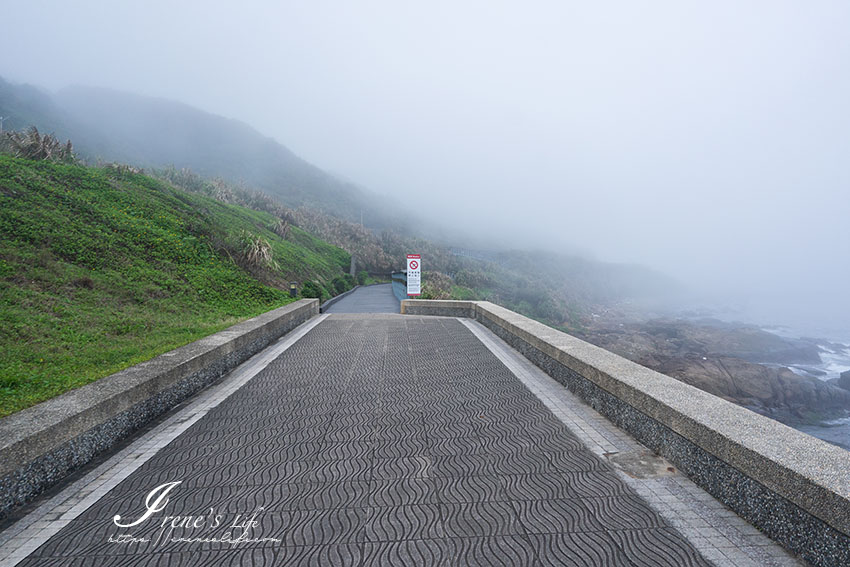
point(399, 281)
point(41, 445)
point(793, 487)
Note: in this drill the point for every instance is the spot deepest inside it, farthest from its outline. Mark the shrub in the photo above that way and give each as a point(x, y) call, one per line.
point(436, 285)
point(33, 145)
point(312, 289)
point(362, 277)
point(341, 284)
point(254, 251)
point(281, 228)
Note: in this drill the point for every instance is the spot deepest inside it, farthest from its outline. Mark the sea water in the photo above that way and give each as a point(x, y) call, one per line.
point(833, 363)
point(833, 334)
point(836, 431)
point(835, 359)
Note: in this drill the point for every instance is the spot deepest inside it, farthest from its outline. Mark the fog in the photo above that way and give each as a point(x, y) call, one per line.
point(709, 140)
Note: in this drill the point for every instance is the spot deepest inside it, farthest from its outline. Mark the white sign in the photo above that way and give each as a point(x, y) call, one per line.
point(414, 272)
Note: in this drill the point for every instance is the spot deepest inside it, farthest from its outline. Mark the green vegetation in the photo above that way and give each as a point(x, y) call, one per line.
point(343, 283)
point(312, 289)
point(102, 268)
point(359, 241)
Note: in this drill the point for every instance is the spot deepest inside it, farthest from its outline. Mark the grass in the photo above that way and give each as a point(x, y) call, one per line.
point(102, 268)
point(463, 293)
point(374, 280)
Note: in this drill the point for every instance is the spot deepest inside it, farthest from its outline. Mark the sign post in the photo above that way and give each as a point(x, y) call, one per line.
point(414, 272)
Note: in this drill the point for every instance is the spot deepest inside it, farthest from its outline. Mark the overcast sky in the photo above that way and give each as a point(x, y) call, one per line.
point(708, 139)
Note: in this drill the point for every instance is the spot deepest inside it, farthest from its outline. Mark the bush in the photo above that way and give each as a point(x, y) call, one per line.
point(312, 289)
point(252, 251)
point(34, 145)
point(341, 284)
point(330, 290)
point(436, 285)
point(362, 277)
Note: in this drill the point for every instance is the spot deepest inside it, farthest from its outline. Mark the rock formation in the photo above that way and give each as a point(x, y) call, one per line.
point(724, 359)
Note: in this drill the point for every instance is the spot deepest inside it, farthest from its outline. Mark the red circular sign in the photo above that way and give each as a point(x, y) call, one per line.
point(414, 264)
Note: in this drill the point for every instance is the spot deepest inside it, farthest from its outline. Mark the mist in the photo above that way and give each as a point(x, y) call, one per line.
point(707, 141)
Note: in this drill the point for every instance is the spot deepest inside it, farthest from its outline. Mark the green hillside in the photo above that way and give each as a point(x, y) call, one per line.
point(101, 268)
point(108, 125)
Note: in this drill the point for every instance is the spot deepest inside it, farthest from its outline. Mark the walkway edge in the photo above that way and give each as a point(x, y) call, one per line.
point(793, 487)
point(41, 445)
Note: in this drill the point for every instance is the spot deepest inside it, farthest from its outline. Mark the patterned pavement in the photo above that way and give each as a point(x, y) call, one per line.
point(378, 298)
point(374, 440)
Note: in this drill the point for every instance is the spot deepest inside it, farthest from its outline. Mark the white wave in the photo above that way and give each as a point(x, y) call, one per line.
point(839, 421)
point(800, 372)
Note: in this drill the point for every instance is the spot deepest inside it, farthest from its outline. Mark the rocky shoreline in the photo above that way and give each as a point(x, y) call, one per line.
point(740, 363)
point(842, 381)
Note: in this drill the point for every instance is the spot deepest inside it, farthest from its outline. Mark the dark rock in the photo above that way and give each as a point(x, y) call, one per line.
point(810, 370)
point(750, 384)
point(844, 380)
point(740, 363)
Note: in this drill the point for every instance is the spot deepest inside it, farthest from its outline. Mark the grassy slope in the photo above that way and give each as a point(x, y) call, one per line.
point(101, 269)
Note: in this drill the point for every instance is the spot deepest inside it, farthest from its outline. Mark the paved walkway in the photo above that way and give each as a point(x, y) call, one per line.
point(368, 299)
point(379, 440)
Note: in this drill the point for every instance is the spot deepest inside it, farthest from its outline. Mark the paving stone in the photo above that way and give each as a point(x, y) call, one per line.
point(437, 552)
point(507, 551)
point(579, 549)
point(416, 521)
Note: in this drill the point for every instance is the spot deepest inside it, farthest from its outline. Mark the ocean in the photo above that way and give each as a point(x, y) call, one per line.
point(830, 328)
point(834, 361)
point(836, 431)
